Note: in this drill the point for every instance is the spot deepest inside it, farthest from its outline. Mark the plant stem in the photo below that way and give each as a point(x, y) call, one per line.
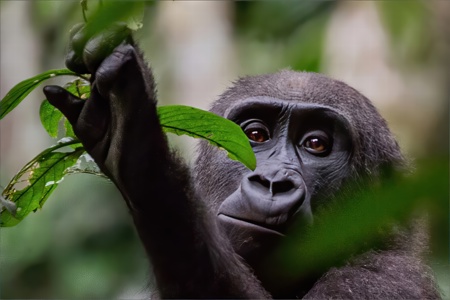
point(84, 8)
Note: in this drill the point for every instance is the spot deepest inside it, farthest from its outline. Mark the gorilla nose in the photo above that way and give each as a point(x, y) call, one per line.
point(275, 182)
point(267, 197)
point(273, 186)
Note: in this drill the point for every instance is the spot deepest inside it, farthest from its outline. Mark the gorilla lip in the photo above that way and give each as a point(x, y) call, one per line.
point(266, 228)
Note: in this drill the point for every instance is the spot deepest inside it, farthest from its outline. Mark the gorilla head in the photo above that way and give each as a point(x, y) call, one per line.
point(310, 134)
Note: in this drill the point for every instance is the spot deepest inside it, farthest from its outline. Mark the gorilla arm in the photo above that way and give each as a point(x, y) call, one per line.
point(119, 127)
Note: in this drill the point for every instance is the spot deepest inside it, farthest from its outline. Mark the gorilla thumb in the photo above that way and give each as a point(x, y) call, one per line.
point(67, 103)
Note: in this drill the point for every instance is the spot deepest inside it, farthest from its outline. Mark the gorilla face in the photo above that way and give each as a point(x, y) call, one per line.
point(303, 151)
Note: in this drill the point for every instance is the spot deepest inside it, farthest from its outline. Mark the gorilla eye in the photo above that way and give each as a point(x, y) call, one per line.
point(256, 131)
point(257, 135)
point(316, 145)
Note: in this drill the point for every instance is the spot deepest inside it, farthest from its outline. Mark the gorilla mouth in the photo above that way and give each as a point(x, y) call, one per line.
point(250, 225)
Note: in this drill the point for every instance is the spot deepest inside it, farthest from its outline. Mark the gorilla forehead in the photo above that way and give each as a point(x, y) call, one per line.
point(295, 86)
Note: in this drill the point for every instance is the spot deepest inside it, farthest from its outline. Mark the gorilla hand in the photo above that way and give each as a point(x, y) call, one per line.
point(118, 124)
point(119, 127)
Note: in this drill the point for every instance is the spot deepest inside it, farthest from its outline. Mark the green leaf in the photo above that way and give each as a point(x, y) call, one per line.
point(22, 89)
point(79, 87)
point(69, 129)
point(51, 117)
point(130, 12)
point(42, 175)
point(220, 132)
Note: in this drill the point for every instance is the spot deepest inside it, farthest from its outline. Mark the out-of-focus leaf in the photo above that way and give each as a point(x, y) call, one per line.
point(304, 48)
point(360, 220)
point(409, 28)
point(41, 175)
point(220, 132)
point(22, 89)
point(290, 15)
point(130, 12)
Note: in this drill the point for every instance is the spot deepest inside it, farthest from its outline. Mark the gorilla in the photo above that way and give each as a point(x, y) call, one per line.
point(209, 232)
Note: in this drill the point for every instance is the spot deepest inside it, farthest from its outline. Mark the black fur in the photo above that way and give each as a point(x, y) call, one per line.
point(175, 213)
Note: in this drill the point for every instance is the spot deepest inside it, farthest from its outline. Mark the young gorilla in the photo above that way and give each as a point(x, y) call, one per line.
point(210, 236)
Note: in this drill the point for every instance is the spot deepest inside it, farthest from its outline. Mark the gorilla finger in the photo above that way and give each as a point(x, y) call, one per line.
point(67, 103)
point(122, 63)
point(75, 63)
point(75, 29)
point(74, 53)
point(78, 38)
point(125, 74)
point(102, 45)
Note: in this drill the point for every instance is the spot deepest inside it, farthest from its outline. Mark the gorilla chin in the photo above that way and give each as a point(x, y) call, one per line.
point(249, 240)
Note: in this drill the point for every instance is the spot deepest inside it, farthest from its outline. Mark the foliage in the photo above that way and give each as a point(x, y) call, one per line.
point(21, 90)
point(46, 170)
point(300, 33)
point(43, 174)
point(357, 220)
point(218, 131)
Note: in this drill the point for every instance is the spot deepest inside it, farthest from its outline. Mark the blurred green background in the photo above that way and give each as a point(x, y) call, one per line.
point(82, 243)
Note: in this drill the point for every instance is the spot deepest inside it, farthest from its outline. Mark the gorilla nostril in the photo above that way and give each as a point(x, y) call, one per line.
point(281, 187)
point(273, 187)
point(261, 180)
